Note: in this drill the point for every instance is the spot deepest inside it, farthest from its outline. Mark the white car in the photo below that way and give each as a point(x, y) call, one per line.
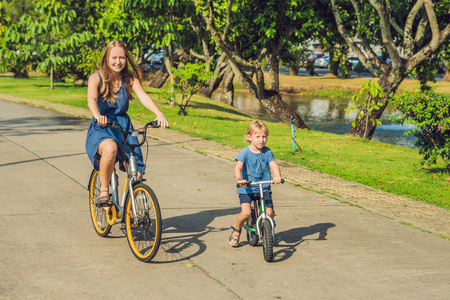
point(322, 62)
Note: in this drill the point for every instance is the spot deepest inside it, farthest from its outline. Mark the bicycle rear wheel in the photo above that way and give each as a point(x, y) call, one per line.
point(98, 214)
point(144, 239)
point(252, 237)
point(267, 240)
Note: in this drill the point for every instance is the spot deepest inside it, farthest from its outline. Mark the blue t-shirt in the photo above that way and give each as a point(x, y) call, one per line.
point(256, 168)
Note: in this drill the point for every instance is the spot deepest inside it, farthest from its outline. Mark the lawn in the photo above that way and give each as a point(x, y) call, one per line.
point(382, 166)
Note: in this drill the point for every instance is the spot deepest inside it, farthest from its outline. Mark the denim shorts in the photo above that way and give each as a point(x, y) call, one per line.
point(248, 198)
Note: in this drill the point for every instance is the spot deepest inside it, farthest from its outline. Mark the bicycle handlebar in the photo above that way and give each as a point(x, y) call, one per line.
point(114, 124)
point(257, 182)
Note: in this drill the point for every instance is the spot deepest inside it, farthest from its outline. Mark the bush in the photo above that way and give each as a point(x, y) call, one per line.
point(188, 81)
point(429, 111)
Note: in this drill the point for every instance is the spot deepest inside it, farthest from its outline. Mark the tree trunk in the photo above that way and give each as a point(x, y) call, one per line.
point(389, 84)
point(213, 84)
point(447, 73)
point(227, 95)
point(160, 78)
point(51, 77)
point(275, 104)
point(274, 73)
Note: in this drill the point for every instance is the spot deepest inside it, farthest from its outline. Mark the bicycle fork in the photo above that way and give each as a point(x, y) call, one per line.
point(259, 222)
point(132, 169)
point(264, 216)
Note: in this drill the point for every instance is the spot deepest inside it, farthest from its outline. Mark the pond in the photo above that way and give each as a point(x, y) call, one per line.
point(328, 115)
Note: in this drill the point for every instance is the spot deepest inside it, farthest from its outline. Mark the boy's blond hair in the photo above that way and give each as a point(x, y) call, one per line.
point(257, 126)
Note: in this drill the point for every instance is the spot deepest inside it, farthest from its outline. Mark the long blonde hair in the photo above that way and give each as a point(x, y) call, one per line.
point(106, 90)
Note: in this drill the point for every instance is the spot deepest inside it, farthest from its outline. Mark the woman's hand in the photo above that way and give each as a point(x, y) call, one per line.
point(102, 120)
point(162, 121)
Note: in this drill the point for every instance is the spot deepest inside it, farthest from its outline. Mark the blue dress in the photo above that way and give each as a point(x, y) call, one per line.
point(96, 134)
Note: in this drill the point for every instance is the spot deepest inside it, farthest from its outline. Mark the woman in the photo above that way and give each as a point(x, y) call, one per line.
point(109, 91)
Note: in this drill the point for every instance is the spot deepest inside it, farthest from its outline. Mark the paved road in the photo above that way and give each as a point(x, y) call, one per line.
point(325, 250)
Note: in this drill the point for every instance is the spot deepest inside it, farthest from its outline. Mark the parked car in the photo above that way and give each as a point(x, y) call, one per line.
point(156, 58)
point(154, 61)
point(312, 57)
point(322, 62)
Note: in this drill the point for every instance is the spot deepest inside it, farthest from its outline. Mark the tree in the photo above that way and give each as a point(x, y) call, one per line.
point(214, 60)
point(189, 80)
point(239, 41)
point(167, 26)
point(408, 31)
point(16, 54)
point(44, 39)
point(294, 56)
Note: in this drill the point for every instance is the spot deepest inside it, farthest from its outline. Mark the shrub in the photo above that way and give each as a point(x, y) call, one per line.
point(366, 101)
point(188, 81)
point(429, 111)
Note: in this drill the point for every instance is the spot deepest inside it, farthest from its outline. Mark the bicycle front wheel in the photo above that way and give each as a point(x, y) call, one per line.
point(267, 240)
point(145, 236)
point(98, 214)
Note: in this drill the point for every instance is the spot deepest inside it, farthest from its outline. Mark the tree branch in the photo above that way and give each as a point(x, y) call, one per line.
point(351, 41)
point(408, 42)
point(234, 59)
point(420, 31)
point(385, 26)
point(393, 23)
point(433, 24)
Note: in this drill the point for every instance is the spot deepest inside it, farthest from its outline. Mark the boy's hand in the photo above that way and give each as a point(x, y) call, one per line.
point(243, 183)
point(277, 180)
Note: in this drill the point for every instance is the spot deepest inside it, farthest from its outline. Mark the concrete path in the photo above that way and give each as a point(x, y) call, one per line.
point(325, 249)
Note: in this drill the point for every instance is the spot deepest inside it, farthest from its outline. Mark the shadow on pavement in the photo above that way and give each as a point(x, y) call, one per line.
point(30, 125)
point(293, 237)
point(41, 158)
point(182, 235)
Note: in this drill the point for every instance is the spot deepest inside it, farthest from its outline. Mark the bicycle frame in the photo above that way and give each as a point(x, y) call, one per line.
point(131, 178)
point(262, 215)
point(138, 208)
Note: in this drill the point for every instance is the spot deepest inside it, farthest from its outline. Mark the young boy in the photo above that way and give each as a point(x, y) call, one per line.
point(254, 163)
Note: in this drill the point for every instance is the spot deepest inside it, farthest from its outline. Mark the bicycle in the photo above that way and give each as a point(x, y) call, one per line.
point(138, 208)
point(260, 227)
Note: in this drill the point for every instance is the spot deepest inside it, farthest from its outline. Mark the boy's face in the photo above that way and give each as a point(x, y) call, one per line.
point(257, 139)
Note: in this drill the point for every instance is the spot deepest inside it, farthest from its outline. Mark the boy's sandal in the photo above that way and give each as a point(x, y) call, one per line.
point(233, 240)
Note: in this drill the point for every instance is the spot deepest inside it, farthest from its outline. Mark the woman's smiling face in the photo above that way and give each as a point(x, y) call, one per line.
point(117, 59)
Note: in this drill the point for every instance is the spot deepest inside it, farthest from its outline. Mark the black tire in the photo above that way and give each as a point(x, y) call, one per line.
point(267, 240)
point(98, 214)
point(252, 237)
point(144, 240)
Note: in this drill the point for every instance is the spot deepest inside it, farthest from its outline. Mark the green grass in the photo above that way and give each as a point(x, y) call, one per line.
point(382, 166)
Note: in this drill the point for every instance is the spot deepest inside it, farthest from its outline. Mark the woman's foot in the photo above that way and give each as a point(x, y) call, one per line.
point(234, 237)
point(103, 199)
point(132, 224)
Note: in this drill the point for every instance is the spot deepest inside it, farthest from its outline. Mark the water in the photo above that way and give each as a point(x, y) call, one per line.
point(328, 115)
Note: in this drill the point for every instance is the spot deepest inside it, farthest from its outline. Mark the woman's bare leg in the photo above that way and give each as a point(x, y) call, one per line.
point(108, 151)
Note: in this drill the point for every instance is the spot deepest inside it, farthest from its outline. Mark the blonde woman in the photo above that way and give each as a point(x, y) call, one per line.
point(109, 92)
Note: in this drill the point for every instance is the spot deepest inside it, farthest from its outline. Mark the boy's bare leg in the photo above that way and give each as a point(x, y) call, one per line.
point(270, 212)
point(240, 219)
point(243, 215)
